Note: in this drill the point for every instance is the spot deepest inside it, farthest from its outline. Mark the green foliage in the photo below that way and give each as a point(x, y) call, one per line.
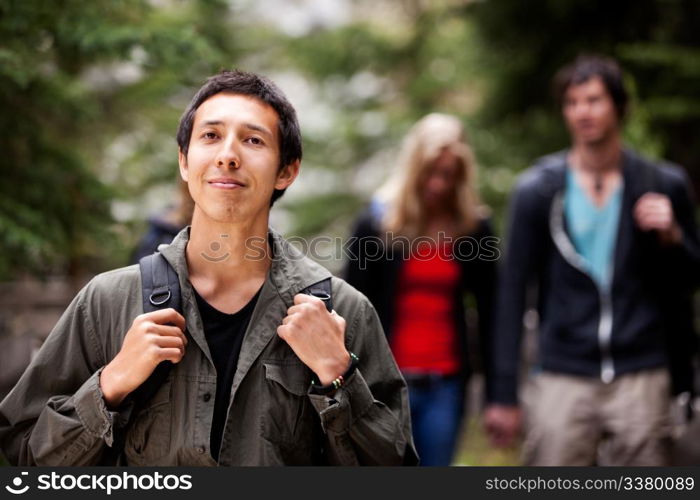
point(314, 214)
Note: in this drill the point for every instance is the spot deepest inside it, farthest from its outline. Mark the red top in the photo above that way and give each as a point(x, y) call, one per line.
point(424, 336)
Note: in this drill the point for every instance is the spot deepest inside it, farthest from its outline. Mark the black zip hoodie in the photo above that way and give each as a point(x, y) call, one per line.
point(585, 330)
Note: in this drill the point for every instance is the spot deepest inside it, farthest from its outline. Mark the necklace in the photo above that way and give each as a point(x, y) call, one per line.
point(598, 184)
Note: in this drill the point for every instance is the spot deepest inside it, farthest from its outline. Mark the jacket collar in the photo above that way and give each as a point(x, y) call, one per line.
point(291, 271)
point(635, 176)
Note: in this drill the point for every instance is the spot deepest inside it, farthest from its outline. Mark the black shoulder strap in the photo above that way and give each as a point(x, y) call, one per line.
point(160, 286)
point(677, 309)
point(160, 289)
point(647, 173)
point(323, 291)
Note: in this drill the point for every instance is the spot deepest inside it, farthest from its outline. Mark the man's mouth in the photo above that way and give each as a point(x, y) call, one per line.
point(586, 124)
point(225, 183)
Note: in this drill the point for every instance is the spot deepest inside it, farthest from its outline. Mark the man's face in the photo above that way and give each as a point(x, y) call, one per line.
point(589, 112)
point(232, 166)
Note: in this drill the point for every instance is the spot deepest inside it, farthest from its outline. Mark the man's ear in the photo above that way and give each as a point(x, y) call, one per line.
point(287, 174)
point(182, 161)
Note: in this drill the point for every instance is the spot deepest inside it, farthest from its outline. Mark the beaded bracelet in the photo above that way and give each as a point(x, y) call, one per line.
point(338, 382)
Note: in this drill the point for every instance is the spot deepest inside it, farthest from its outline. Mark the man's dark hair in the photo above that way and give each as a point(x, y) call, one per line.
point(585, 67)
point(250, 84)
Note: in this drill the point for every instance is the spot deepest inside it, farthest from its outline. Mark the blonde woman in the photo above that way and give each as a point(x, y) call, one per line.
point(424, 244)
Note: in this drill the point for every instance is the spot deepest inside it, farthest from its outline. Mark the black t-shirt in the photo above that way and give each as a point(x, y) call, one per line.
point(224, 334)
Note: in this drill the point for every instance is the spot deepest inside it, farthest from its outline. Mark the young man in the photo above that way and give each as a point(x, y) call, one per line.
point(247, 345)
point(610, 240)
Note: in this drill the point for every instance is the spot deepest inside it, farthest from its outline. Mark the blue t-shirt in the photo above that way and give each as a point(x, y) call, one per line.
point(593, 229)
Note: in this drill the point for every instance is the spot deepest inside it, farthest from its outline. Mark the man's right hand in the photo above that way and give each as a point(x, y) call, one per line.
point(150, 340)
point(502, 424)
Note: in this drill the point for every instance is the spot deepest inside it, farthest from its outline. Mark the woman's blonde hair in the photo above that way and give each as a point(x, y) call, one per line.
point(405, 214)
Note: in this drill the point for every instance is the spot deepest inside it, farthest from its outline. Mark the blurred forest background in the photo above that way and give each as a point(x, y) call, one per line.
point(91, 93)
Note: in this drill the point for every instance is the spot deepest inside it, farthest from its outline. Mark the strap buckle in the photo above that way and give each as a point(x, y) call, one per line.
point(154, 298)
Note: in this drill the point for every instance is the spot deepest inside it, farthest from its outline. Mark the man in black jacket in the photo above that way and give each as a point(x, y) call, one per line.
point(610, 241)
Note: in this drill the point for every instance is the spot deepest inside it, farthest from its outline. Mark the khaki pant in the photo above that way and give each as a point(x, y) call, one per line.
point(573, 420)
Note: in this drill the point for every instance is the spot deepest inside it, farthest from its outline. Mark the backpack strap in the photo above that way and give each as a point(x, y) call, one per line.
point(677, 311)
point(651, 181)
point(323, 291)
point(160, 286)
point(160, 289)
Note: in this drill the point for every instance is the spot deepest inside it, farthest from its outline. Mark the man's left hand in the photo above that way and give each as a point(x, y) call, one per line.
point(316, 336)
point(654, 212)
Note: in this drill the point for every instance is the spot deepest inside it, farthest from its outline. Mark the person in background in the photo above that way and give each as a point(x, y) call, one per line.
point(163, 228)
point(424, 242)
point(610, 242)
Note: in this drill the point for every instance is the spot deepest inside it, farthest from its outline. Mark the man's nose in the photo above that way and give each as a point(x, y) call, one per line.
point(228, 155)
point(582, 109)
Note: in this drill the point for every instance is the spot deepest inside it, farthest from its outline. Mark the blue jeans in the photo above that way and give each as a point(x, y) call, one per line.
point(437, 406)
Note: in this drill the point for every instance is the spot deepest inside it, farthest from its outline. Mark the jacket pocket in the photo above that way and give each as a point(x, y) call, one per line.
point(288, 417)
point(148, 438)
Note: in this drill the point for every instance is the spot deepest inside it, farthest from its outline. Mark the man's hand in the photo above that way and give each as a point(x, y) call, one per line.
point(316, 336)
point(149, 341)
point(502, 424)
point(654, 212)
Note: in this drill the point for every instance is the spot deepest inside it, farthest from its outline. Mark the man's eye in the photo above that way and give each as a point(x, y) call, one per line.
point(255, 140)
point(209, 135)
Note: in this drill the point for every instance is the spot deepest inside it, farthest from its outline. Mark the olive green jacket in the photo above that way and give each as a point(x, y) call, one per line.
point(56, 414)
